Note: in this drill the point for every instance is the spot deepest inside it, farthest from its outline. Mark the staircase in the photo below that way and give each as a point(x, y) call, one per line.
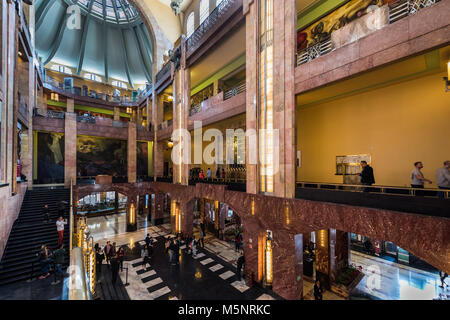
point(30, 231)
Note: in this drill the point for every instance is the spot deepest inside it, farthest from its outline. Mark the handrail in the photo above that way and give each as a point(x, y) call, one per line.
point(404, 8)
point(312, 52)
point(237, 89)
point(382, 188)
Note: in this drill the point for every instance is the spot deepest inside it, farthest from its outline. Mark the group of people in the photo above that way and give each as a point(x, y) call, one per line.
point(114, 259)
point(417, 178)
point(47, 258)
point(220, 174)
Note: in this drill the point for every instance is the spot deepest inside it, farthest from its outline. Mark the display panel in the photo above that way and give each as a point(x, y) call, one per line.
point(101, 156)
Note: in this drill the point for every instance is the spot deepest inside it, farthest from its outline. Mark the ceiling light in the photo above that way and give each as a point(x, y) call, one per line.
point(176, 6)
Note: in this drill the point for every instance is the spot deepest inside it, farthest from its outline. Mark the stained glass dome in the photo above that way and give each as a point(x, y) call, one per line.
point(114, 11)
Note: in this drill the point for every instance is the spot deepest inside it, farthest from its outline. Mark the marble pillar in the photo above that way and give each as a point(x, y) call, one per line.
point(187, 218)
point(70, 149)
point(181, 107)
point(322, 262)
point(132, 150)
point(158, 148)
point(70, 105)
point(157, 215)
point(340, 253)
point(116, 114)
point(288, 265)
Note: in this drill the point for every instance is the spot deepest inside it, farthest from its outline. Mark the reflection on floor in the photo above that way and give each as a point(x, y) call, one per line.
point(392, 281)
point(206, 276)
point(223, 249)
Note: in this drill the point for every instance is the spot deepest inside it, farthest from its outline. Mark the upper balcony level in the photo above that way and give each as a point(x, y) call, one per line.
point(381, 36)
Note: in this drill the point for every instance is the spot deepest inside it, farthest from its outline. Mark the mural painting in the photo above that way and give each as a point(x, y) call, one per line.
point(101, 156)
point(50, 162)
point(142, 158)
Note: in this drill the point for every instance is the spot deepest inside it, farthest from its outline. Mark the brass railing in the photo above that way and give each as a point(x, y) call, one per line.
point(237, 89)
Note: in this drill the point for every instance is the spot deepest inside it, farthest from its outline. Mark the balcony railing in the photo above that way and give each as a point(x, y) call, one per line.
point(239, 88)
point(215, 16)
point(86, 119)
point(55, 114)
point(166, 69)
point(195, 109)
point(319, 49)
point(404, 8)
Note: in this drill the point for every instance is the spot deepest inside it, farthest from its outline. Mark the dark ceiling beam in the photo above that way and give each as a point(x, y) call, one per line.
point(142, 51)
point(105, 34)
point(125, 57)
point(84, 37)
point(42, 11)
point(57, 40)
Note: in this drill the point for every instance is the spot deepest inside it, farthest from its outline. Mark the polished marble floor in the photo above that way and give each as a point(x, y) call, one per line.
point(211, 274)
point(388, 280)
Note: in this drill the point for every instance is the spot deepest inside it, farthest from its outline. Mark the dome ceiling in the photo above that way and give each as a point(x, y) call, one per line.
point(112, 40)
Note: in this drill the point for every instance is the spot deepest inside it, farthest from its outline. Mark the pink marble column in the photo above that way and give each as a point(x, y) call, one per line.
point(131, 161)
point(70, 105)
point(70, 148)
point(157, 209)
point(288, 265)
point(116, 114)
point(187, 218)
point(158, 148)
point(181, 107)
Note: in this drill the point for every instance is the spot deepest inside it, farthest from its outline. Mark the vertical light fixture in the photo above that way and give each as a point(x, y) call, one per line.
point(268, 259)
point(132, 211)
point(266, 94)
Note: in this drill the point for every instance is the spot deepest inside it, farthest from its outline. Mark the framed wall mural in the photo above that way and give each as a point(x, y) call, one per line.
point(101, 156)
point(142, 158)
point(322, 29)
point(50, 157)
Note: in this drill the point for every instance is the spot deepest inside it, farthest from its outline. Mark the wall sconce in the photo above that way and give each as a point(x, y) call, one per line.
point(170, 144)
point(446, 81)
point(129, 110)
point(132, 211)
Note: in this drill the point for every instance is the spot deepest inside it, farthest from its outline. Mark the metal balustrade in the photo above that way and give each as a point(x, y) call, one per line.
point(86, 119)
point(319, 49)
point(195, 109)
point(55, 114)
point(215, 16)
point(404, 8)
point(239, 88)
point(163, 72)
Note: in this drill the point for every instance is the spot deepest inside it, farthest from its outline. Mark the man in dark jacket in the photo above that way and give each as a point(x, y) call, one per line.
point(366, 174)
point(114, 269)
point(58, 256)
point(318, 290)
point(46, 213)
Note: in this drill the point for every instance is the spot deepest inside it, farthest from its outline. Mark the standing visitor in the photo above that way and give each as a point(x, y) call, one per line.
point(99, 257)
point(417, 178)
point(120, 257)
point(46, 213)
point(443, 276)
point(58, 256)
point(317, 290)
point(201, 175)
point(240, 262)
point(144, 256)
point(194, 247)
point(108, 252)
point(147, 239)
point(114, 269)
point(443, 178)
point(223, 173)
point(208, 173)
point(237, 243)
point(201, 237)
point(218, 173)
point(61, 208)
point(60, 229)
point(367, 178)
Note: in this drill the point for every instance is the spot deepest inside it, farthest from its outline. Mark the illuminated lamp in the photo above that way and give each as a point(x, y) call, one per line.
point(54, 96)
point(268, 259)
point(170, 144)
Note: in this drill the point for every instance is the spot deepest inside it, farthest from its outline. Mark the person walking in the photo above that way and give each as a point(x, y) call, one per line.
point(58, 257)
point(240, 263)
point(46, 213)
point(237, 242)
point(443, 275)
point(367, 177)
point(194, 247)
point(114, 269)
point(443, 178)
point(148, 240)
point(44, 260)
point(60, 229)
point(417, 178)
point(120, 257)
point(144, 256)
point(318, 290)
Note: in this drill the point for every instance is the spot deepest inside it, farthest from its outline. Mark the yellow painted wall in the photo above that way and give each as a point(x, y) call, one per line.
point(397, 125)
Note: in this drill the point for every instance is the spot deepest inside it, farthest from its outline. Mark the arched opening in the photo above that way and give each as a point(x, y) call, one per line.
point(354, 266)
point(190, 24)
